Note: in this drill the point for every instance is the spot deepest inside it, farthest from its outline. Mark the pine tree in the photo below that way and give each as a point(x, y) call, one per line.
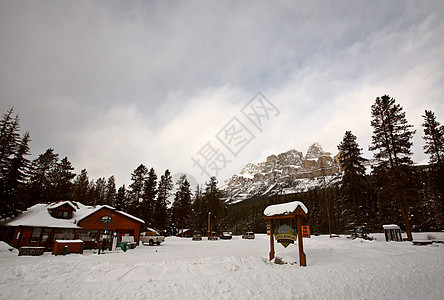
point(16, 179)
point(434, 139)
point(198, 211)
point(213, 204)
point(120, 203)
point(138, 178)
point(100, 191)
point(9, 140)
point(41, 185)
point(13, 165)
point(61, 179)
point(391, 140)
point(162, 202)
point(110, 191)
point(352, 179)
point(81, 188)
point(434, 146)
point(149, 197)
point(182, 203)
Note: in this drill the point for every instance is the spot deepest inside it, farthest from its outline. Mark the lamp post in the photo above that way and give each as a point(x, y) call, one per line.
point(209, 215)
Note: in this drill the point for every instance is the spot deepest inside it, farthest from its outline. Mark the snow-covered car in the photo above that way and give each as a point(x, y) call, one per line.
point(213, 236)
point(197, 236)
point(248, 235)
point(226, 235)
point(148, 238)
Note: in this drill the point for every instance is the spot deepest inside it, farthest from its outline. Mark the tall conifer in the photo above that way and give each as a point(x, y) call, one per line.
point(353, 177)
point(391, 141)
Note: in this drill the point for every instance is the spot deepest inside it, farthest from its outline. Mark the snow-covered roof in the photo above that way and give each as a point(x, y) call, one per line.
point(39, 216)
point(61, 203)
point(284, 208)
point(390, 226)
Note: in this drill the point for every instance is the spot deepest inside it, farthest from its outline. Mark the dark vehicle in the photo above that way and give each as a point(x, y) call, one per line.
point(197, 236)
point(213, 236)
point(226, 235)
point(248, 235)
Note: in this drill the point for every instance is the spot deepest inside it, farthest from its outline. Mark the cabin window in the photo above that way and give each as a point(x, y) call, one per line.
point(88, 235)
point(63, 234)
point(63, 214)
point(35, 236)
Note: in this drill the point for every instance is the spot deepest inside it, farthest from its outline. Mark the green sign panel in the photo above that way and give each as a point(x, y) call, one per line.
point(105, 220)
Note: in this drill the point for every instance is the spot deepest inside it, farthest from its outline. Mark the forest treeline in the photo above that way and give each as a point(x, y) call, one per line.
point(396, 191)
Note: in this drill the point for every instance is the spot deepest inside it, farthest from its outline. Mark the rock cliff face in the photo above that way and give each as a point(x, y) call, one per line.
point(288, 172)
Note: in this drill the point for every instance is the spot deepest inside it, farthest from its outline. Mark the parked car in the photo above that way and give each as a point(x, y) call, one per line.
point(226, 235)
point(197, 236)
point(248, 235)
point(213, 236)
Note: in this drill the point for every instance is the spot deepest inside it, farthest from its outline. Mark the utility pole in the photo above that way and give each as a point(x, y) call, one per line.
point(209, 215)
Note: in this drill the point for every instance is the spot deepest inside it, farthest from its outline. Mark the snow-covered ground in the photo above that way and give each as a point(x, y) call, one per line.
point(337, 268)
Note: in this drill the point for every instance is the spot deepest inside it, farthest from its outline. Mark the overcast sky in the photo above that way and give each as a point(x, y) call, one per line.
point(115, 84)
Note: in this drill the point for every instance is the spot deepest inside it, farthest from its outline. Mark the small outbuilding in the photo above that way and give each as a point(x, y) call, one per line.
point(392, 233)
point(285, 220)
point(185, 233)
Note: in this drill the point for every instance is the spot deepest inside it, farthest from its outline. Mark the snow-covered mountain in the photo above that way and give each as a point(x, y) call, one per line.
point(288, 172)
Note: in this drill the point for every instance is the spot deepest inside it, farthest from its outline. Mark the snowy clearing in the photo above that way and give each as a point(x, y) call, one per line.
point(337, 268)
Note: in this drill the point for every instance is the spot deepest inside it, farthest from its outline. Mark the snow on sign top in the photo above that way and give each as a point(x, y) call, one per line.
point(390, 226)
point(284, 208)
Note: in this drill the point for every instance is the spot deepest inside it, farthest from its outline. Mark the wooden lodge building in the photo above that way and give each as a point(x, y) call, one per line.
point(42, 224)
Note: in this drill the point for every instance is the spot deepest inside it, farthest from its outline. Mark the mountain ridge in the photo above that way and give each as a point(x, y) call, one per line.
point(285, 173)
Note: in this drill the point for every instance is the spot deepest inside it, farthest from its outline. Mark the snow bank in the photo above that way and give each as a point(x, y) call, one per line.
point(5, 247)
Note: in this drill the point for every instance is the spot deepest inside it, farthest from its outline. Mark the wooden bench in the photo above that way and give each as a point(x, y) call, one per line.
point(422, 243)
point(31, 251)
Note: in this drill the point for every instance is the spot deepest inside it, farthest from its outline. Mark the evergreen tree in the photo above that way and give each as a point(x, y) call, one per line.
point(9, 140)
point(213, 205)
point(391, 140)
point(14, 184)
point(138, 178)
point(41, 187)
point(120, 203)
point(198, 212)
point(61, 179)
point(13, 165)
point(110, 191)
point(162, 202)
point(434, 139)
point(100, 191)
point(182, 203)
point(149, 197)
point(352, 183)
point(81, 188)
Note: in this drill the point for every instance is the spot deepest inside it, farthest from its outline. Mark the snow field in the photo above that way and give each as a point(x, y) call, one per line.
point(337, 268)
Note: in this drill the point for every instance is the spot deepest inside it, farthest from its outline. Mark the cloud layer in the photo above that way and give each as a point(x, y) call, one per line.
point(115, 84)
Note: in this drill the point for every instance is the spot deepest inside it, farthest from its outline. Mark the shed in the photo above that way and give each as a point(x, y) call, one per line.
point(287, 211)
point(392, 233)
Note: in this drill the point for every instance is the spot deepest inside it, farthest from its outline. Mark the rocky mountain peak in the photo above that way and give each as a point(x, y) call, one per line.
point(315, 151)
point(287, 172)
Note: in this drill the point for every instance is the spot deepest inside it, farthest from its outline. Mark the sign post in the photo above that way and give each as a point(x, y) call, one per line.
point(286, 213)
